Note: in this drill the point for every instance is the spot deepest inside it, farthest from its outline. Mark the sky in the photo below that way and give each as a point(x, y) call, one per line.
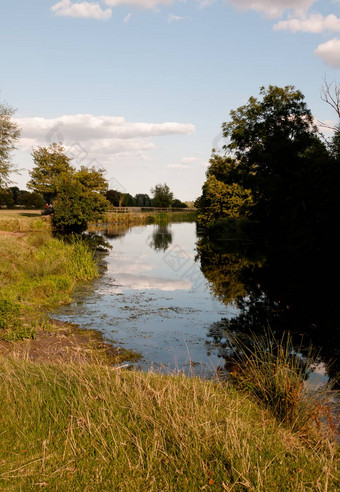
point(140, 88)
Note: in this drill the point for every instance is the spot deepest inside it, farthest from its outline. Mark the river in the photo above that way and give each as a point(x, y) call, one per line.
point(153, 299)
point(171, 296)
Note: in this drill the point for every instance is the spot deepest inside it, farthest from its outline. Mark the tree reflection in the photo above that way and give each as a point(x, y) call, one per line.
point(161, 238)
point(277, 288)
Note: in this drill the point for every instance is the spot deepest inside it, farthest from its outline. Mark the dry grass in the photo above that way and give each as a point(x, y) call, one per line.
point(91, 428)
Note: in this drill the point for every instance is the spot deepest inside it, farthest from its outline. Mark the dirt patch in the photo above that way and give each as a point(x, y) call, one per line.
point(64, 343)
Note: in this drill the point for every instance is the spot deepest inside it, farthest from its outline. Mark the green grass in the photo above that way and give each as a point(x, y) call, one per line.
point(273, 371)
point(37, 273)
point(143, 218)
point(23, 221)
point(95, 428)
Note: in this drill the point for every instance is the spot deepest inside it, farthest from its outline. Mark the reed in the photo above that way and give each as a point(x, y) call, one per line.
point(274, 372)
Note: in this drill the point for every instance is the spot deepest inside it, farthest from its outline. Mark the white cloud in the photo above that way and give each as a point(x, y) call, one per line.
point(176, 18)
point(188, 160)
point(144, 4)
point(106, 136)
point(329, 52)
point(315, 23)
point(178, 166)
point(202, 4)
point(87, 10)
point(143, 282)
point(274, 8)
point(127, 18)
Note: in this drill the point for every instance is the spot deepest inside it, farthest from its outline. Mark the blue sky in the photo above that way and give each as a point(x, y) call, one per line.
point(141, 87)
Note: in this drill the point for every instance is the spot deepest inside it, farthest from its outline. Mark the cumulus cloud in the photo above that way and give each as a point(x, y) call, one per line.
point(87, 10)
point(315, 23)
point(144, 4)
point(110, 135)
point(329, 52)
point(274, 8)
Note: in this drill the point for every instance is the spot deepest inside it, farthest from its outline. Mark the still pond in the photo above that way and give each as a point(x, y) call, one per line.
point(170, 295)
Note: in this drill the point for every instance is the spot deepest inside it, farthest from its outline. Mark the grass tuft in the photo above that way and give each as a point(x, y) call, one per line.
point(274, 372)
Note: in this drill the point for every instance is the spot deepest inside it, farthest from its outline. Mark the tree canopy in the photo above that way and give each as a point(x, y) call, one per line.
point(162, 196)
point(9, 134)
point(285, 174)
point(77, 195)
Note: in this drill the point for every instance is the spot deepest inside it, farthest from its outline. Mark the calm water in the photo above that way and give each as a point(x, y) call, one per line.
point(153, 299)
point(172, 297)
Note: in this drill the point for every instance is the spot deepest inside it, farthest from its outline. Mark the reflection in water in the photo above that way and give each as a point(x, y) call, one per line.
point(274, 289)
point(155, 299)
point(161, 238)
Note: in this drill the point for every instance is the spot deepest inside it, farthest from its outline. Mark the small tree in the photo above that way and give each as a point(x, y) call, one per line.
point(9, 134)
point(162, 196)
point(50, 163)
point(77, 196)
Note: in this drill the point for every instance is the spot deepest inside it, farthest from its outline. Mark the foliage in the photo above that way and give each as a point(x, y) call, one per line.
point(12, 197)
point(9, 134)
point(162, 196)
point(143, 200)
point(223, 200)
point(176, 203)
point(275, 153)
point(76, 205)
point(50, 164)
point(77, 196)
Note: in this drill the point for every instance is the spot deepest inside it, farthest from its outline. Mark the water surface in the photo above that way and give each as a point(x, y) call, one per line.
point(153, 299)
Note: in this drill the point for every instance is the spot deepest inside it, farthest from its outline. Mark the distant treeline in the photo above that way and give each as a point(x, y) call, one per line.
point(13, 197)
point(119, 199)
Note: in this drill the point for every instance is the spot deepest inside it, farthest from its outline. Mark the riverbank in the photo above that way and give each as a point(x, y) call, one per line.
point(92, 428)
point(69, 419)
point(153, 217)
point(37, 274)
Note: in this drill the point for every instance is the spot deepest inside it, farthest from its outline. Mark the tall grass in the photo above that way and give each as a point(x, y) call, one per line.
point(95, 428)
point(23, 221)
point(37, 273)
point(274, 372)
point(143, 218)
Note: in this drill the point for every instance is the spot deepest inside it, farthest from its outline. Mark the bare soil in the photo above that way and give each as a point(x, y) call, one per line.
point(63, 343)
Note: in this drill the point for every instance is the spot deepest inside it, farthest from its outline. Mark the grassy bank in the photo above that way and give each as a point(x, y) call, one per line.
point(37, 273)
point(92, 428)
point(23, 221)
point(143, 218)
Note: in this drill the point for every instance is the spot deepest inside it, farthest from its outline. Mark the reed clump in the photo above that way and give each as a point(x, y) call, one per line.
point(274, 372)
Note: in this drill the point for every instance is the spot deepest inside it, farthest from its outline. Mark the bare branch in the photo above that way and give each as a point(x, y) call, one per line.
point(330, 94)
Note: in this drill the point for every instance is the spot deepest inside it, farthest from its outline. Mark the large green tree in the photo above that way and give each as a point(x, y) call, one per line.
point(9, 135)
point(77, 195)
point(275, 152)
